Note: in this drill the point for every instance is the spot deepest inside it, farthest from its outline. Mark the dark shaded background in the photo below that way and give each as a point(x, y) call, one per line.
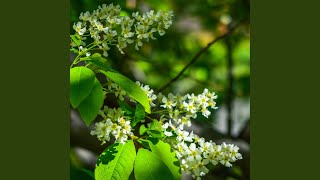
point(223, 68)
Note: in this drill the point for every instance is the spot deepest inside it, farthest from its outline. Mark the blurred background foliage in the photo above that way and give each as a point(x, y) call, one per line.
point(224, 68)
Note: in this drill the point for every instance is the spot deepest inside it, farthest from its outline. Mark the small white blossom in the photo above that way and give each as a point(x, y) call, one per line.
point(168, 103)
point(79, 28)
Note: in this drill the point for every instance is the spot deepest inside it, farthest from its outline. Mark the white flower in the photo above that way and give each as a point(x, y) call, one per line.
point(167, 133)
point(226, 161)
point(174, 114)
point(205, 112)
point(183, 136)
point(185, 120)
point(191, 106)
point(115, 128)
point(200, 169)
point(79, 29)
point(234, 152)
point(169, 124)
point(101, 131)
point(212, 104)
point(202, 100)
point(84, 16)
point(193, 153)
point(180, 98)
point(168, 103)
point(192, 97)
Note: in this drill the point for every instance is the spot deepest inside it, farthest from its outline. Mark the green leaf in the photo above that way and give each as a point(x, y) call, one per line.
point(155, 129)
point(116, 162)
point(130, 87)
point(81, 84)
point(98, 61)
point(142, 129)
point(129, 111)
point(74, 50)
point(144, 143)
point(80, 174)
point(76, 39)
point(149, 167)
point(88, 172)
point(89, 108)
point(154, 134)
point(163, 151)
point(156, 126)
point(138, 115)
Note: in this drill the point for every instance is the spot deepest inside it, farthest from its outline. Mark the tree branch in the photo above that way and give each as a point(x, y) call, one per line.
point(196, 57)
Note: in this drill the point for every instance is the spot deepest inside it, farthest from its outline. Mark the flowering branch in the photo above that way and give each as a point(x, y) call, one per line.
point(160, 119)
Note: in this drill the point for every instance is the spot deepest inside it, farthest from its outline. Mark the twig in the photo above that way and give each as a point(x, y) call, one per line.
point(196, 57)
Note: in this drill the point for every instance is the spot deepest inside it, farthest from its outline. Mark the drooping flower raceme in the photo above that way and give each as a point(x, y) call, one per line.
point(193, 152)
point(105, 26)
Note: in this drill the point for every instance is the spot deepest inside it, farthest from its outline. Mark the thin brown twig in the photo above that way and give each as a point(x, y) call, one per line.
point(196, 57)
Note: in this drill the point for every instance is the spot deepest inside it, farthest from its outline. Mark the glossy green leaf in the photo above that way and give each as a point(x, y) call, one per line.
point(89, 108)
point(144, 143)
point(154, 134)
point(130, 87)
point(155, 129)
point(138, 115)
point(74, 50)
point(142, 129)
point(148, 166)
point(116, 162)
point(163, 151)
point(156, 126)
point(99, 61)
point(81, 84)
point(76, 39)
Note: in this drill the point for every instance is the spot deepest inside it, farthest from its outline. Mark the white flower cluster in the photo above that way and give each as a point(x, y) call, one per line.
point(149, 92)
point(194, 153)
point(106, 27)
point(182, 108)
point(114, 123)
